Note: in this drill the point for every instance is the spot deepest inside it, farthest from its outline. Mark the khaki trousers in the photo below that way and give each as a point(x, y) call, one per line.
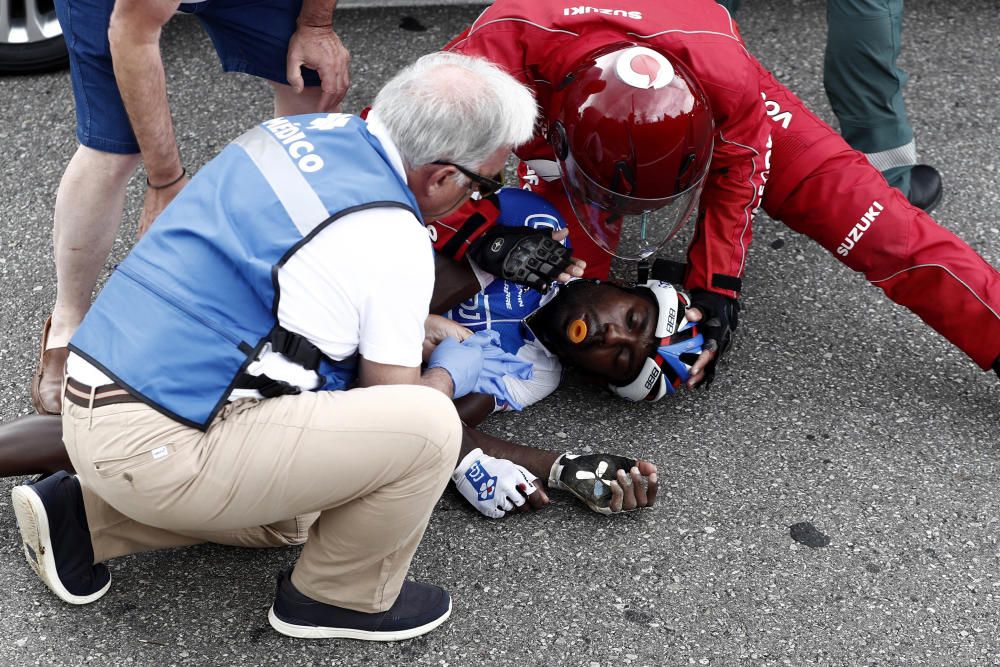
point(371, 462)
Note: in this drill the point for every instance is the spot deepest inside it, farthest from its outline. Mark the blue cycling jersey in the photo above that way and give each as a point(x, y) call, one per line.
point(502, 306)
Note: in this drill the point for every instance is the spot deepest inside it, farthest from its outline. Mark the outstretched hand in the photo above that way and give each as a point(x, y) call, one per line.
point(719, 316)
point(319, 48)
point(576, 266)
point(606, 483)
point(634, 489)
point(707, 356)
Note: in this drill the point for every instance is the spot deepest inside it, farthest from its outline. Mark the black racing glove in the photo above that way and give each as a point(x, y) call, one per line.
point(526, 256)
point(721, 316)
point(589, 477)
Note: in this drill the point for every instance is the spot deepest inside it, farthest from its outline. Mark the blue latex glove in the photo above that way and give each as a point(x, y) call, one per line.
point(498, 364)
point(463, 363)
point(478, 365)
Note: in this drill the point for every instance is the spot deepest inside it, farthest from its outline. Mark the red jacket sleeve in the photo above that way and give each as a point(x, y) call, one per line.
point(502, 45)
point(733, 188)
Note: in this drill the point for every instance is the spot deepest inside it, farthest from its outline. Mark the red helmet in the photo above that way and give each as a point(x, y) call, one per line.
point(633, 139)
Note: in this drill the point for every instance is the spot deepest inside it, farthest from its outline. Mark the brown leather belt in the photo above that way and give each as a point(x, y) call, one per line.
point(78, 393)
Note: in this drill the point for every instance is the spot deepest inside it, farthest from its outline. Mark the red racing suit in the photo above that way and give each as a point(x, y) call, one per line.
point(816, 184)
point(538, 41)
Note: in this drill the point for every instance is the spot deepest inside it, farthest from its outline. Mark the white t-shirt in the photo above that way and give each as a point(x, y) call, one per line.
point(362, 284)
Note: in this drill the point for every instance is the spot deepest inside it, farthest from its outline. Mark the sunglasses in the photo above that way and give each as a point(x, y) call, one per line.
point(484, 186)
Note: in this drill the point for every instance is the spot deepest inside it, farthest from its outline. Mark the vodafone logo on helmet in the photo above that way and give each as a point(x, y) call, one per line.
point(641, 67)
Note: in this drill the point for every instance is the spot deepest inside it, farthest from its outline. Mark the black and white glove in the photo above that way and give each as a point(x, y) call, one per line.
point(720, 317)
point(589, 477)
point(526, 256)
point(492, 486)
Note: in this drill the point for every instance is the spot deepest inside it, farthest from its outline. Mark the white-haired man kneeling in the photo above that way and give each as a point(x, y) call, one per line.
point(208, 388)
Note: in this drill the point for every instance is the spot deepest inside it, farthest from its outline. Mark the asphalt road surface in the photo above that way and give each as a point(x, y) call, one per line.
point(836, 408)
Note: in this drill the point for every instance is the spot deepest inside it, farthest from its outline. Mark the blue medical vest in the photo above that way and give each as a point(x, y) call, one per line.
point(503, 305)
point(196, 299)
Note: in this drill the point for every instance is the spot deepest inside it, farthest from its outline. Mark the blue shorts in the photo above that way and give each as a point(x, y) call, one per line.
point(249, 36)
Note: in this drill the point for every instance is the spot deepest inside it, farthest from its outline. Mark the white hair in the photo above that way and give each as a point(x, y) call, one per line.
point(451, 107)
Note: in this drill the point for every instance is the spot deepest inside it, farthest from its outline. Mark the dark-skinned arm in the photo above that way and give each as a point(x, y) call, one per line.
point(538, 461)
point(631, 489)
point(475, 408)
point(454, 282)
point(33, 444)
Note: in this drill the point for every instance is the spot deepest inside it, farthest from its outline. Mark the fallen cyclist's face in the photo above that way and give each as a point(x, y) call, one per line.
point(603, 329)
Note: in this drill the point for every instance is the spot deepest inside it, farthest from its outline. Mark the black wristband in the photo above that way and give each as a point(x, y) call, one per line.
point(167, 185)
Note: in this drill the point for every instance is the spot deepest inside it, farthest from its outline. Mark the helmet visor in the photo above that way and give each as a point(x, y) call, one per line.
point(630, 228)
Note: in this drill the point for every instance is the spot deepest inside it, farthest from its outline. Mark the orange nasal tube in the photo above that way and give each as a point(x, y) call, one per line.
point(576, 331)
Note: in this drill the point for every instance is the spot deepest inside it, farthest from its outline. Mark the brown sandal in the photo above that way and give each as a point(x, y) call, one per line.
point(47, 385)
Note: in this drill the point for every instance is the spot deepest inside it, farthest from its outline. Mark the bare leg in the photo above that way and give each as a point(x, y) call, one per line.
point(289, 103)
point(88, 213)
point(32, 444)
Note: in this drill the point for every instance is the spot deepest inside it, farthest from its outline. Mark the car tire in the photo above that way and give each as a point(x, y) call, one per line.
point(42, 56)
point(31, 38)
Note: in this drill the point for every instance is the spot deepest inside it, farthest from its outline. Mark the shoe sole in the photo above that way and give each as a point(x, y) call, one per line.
point(33, 522)
point(314, 632)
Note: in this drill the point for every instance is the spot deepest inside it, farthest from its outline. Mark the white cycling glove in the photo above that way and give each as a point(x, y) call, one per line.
point(491, 484)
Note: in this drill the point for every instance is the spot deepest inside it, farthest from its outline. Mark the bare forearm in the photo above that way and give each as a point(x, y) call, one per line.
point(373, 374)
point(134, 35)
point(438, 378)
point(317, 13)
point(454, 282)
point(473, 409)
point(538, 461)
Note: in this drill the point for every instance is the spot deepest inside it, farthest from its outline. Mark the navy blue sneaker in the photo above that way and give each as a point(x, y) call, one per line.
point(56, 538)
point(419, 609)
